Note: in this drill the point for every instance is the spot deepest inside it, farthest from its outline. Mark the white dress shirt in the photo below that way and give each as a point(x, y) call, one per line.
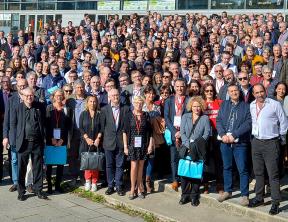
point(270, 121)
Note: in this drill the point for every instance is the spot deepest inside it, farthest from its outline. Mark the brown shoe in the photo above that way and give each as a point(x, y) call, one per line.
point(13, 188)
point(175, 186)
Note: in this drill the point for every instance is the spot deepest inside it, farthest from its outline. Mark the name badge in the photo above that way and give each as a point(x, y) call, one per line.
point(177, 121)
point(255, 129)
point(138, 141)
point(57, 133)
point(273, 74)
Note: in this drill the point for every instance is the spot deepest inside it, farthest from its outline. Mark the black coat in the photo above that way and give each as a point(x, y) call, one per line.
point(17, 124)
point(64, 123)
point(86, 127)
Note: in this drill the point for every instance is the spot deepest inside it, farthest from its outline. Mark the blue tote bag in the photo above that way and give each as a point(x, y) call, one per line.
point(55, 155)
point(168, 137)
point(190, 169)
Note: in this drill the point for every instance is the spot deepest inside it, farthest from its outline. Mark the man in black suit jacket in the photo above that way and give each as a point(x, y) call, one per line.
point(112, 123)
point(27, 126)
point(13, 102)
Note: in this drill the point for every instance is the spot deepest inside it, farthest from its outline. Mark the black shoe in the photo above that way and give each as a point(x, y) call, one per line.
point(13, 188)
point(109, 191)
point(21, 197)
point(42, 195)
point(120, 191)
point(195, 202)
point(256, 203)
point(274, 209)
point(183, 201)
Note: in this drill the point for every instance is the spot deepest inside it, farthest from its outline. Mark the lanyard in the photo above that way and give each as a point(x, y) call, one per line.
point(138, 123)
point(179, 105)
point(57, 116)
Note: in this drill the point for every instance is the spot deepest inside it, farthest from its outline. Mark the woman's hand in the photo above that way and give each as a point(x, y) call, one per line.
point(89, 141)
point(54, 142)
point(126, 150)
point(97, 142)
point(59, 142)
point(150, 150)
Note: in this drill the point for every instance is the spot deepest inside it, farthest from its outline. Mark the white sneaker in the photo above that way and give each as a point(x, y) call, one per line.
point(94, 187)
point(87, 185)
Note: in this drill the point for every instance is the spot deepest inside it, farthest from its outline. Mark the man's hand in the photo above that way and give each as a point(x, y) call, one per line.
point(178, 135)
point(225, 139)
point(231, 139)
point(5, 143)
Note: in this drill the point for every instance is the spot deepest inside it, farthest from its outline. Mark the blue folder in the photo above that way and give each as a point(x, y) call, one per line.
point(55, 155)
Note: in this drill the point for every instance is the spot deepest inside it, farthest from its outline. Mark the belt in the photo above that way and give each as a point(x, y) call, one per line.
point(263, 140)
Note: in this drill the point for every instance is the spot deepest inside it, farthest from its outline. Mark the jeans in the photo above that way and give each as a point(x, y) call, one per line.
point(174, 159)
point(149, 167)
point(239, 152)
point(14, 165)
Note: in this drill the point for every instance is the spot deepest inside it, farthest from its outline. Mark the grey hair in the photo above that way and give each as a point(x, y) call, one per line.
point(30, 74)
point(265, 67)
point(79, 82)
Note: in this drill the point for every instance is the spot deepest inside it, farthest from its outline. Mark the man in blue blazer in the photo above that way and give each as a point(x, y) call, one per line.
point(175, 107)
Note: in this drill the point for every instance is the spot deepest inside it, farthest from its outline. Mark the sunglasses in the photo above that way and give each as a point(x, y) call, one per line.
point(208, 90)
point(165, 77)
point(70, 91)
point(244, 78)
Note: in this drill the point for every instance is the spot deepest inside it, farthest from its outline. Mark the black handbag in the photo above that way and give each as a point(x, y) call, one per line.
point(92, 160)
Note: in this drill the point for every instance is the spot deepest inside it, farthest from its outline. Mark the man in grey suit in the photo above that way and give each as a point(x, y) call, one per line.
point(112, 123)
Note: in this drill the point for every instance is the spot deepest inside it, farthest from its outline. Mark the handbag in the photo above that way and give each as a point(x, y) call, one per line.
point(168, 137)
point(55, 155)
point(190, 169)
point(92, 160)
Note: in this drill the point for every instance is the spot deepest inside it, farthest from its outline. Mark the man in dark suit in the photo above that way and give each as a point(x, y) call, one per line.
point(13, 102)
point(5, 94)
point(175, 107)
point(112, 123)
point(27, 126)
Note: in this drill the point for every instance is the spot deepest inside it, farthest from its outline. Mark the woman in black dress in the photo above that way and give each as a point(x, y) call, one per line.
point(58, 118)
point(89, 126)
point(137, 139)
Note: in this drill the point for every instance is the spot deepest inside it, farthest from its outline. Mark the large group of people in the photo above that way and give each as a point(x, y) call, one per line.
point(216, 82)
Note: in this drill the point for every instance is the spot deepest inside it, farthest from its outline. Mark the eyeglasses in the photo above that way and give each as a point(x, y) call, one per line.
point(208, 90)
point(243, 78)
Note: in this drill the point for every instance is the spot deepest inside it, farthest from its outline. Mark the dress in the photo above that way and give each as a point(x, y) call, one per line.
point(145, 132)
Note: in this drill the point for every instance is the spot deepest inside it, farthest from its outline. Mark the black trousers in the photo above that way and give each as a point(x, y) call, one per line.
point(35, 149)
point(59, 174)
point(266, 153)
point(190, 188)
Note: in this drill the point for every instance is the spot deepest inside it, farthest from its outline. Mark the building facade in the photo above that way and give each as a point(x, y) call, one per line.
point(18, 14)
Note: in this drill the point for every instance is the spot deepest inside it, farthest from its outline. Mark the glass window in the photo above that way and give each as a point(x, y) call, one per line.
point(2, 6)
point(13, 6)
point(135, 5)
point(227, 4)
point(162, 5)
point(108, 5)
point(28, 6)
point(46, 5)
point(264, 4)
point(195, 4)
point(82, 5)
point(65, 5)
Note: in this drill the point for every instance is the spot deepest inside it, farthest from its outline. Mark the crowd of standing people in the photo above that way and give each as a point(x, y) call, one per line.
point(216, 82)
